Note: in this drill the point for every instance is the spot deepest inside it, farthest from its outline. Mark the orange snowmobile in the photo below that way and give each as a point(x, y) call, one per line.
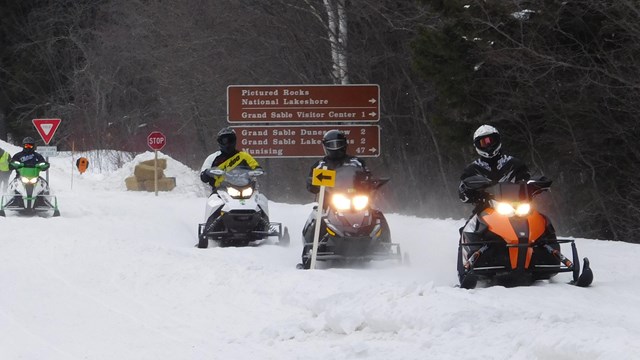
point(509, 241)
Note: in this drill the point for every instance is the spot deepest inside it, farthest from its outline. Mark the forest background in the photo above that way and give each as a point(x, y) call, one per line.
point(559, 79)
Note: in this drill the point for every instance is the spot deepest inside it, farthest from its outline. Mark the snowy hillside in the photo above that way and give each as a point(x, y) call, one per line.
point(117, 276)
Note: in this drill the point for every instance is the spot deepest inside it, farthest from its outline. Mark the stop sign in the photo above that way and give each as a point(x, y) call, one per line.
point(156, 140)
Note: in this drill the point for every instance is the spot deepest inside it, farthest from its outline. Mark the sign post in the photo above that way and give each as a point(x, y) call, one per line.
point(46, 128)
point(323, 178)
point(156, 141)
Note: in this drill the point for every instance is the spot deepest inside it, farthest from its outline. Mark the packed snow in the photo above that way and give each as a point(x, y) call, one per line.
point(117, 276)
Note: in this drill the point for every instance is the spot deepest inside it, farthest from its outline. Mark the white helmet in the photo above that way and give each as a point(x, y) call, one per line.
point(486, 140)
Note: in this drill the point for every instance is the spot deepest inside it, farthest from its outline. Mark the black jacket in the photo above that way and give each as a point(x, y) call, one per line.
point(501, 168)
point(28, 158)
point(333, 164)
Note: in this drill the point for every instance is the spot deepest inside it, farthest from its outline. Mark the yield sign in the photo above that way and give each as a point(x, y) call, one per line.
point(46, 128)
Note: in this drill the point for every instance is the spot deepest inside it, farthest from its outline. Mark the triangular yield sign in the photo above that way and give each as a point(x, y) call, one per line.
point(46, 128)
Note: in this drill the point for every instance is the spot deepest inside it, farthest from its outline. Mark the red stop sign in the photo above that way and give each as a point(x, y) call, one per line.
point(156, 140)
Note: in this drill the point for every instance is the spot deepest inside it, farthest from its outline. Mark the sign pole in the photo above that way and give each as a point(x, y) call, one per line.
point(73, 149)
point(155, 172)
point(316, 234)
point(47, 170)
point(46, 128)
point(321, 177)
point(156, 141)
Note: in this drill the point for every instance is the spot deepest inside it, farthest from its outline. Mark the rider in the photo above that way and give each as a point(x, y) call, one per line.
point(227, 158)
point(492, 164)
point(5, 170)
point(28, 156)
point(334, 143)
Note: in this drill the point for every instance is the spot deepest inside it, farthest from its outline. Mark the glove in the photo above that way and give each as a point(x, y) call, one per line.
point(214, 171)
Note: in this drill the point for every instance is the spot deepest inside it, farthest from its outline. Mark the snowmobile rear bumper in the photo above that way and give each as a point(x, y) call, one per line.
point(24, 204)
point(357, 249)
point(544, 270)
point(273, 229)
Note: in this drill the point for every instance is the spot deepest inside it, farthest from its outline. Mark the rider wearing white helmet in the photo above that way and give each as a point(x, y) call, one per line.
point(492, 163)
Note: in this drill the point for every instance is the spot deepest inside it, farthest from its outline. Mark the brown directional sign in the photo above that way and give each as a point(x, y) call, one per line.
point(304, 141)
point(308, 103)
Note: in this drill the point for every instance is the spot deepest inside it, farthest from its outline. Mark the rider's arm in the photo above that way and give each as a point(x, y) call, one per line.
point(312, 188)
point(40, 160)
point(251, 162)
point(206, 165)
point(467, 195)
point(520, 170)
point(15, 162)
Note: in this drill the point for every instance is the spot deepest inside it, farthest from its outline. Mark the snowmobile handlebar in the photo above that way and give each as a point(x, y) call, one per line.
point(18, 165)
point(491, 189)
point(219, 172)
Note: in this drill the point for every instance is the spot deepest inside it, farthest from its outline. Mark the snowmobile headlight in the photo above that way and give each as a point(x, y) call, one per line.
point(247, 192)
point(240, 193)
point(233, 192)
point(340, 202)
point(360, 202)
point(505, 209)
point(27, 180)
point(523, 209)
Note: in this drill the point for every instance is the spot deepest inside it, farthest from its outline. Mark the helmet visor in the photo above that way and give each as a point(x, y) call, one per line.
point(488, 142)
point(28, 146)
point(226, 140)
point(335, 144)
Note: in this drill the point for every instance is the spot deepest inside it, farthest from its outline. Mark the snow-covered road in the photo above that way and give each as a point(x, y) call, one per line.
point(117, 276)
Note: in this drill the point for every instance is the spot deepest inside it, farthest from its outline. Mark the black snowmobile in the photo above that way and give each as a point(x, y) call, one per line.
point(351, 229)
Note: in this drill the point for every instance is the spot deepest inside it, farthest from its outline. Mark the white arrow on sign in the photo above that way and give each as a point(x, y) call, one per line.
point(372, 100)
point(372, 150)
point(372, 114)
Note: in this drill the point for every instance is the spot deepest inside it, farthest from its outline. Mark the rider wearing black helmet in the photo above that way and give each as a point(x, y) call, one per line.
point(227, 158)
point(28, 156)
point(334, 143)
point(492, 163)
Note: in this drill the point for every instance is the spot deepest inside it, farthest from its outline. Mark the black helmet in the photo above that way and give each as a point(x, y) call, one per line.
point(227, 139)
point(28, 144)
point(487, 142)
point(335, 144)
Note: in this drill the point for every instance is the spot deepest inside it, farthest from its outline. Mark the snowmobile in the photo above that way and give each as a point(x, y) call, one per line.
point(510, 242)
point(237, 214)
point(352, 230)
point(28, 193)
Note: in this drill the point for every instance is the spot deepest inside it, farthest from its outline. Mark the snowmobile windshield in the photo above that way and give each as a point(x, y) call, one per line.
point(238, 177)
point(30, 172)
point(351, 179)
point(511, 192)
